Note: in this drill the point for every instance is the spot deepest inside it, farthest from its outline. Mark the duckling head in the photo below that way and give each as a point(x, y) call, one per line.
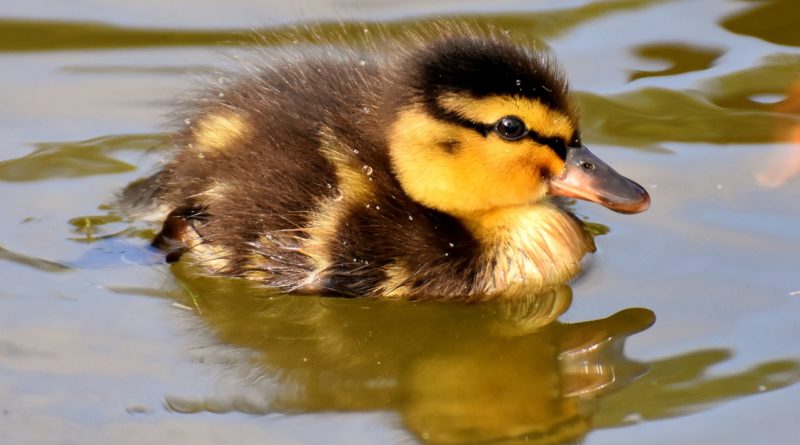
point(485, 124)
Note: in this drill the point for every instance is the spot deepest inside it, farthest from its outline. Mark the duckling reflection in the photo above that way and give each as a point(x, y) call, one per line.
point(453, 373)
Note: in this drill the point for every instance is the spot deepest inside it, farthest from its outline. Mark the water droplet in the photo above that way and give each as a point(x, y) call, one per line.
point(446, 254)
point(410, 218)
point(355, 151)
point(365, 110)
point(519, 82)
point(451, 244)
point(187, 122)
point(377, 207)
point(366, 205)
point(632, 418)
point(201, 155)
point(367, 169)
point(221, 80)
point(366, 31)
point(220, 94)
point(330, 186)
point(362, 62)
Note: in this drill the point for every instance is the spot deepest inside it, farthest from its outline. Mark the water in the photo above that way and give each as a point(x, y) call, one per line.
point(100, 342)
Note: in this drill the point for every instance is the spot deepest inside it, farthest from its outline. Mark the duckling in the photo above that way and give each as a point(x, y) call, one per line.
point(423, 171)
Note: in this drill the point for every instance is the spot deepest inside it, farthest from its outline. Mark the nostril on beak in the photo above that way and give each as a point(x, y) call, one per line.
point(588, 166)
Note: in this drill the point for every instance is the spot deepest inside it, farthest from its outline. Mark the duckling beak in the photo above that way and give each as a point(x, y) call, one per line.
point(587, 177)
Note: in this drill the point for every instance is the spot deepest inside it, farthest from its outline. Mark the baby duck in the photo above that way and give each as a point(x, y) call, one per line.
point(419, 173)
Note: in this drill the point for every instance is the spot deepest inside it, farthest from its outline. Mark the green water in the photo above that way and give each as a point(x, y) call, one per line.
point(682, 329)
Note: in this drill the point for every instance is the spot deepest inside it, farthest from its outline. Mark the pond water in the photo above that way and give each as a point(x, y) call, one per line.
point(100, 342)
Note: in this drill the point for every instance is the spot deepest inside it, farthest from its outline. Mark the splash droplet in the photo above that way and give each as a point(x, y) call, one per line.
point(410, 218)
point(367, 169)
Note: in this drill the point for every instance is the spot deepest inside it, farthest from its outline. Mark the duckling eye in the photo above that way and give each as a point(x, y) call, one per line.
point(511, 128)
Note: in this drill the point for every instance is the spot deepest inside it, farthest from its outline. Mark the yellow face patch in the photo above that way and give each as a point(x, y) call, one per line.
point(459, 171)
point(219, 131)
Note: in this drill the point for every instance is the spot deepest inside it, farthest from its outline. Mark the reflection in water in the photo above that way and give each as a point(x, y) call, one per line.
point(76, 159)
point(784, 163)
point(772, 20)
point(42, 35)
point(747, 89)
point(454, 373)
point(682, 58)
point(685, 384)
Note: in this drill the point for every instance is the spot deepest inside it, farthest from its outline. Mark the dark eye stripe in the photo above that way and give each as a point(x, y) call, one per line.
point(555, 143)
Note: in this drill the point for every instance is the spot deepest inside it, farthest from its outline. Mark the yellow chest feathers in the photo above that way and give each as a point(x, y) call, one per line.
point(529, 249)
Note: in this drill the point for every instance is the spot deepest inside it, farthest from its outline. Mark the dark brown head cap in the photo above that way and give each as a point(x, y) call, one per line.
point(482, 66)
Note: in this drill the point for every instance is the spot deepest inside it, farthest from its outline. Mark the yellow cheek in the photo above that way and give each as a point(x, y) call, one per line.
point(478, 173)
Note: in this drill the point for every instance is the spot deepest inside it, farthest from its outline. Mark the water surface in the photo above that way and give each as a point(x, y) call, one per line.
point(684, 320)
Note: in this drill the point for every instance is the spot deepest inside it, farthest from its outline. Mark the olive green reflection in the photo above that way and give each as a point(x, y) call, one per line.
point(38, 35)
point(682, 58)
point(685, 384)
point(773, 79)
point(772, 20)
point(740, 107)
point(650, 116)
point(33, 262)
point(76, 159)
point(454, 373)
